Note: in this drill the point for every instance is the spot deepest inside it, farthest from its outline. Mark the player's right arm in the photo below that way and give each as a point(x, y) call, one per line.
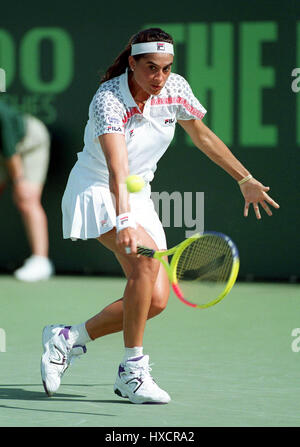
point(115, 151)
point(253, 191)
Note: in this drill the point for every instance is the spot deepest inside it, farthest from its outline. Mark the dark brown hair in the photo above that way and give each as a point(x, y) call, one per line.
point(121, 62)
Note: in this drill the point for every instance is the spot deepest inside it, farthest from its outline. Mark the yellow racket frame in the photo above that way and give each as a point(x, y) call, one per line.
point(172, 266)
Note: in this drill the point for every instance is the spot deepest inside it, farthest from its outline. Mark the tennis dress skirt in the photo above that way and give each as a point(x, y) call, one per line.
point(88, 208)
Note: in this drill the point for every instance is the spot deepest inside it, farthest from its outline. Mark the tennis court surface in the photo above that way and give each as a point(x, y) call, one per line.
point(235, 364)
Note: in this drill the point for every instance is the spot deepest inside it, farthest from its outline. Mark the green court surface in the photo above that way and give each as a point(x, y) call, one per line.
point(231, 365)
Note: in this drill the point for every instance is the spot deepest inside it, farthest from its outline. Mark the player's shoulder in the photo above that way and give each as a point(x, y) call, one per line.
point(109, 92)
point(177, 84)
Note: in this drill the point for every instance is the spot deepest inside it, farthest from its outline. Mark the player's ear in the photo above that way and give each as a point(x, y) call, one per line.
point(131, 63)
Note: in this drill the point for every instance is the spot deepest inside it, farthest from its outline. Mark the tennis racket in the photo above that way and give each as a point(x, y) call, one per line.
point(203, 268)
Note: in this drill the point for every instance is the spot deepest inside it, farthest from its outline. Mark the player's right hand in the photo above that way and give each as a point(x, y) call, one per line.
point(127, 240)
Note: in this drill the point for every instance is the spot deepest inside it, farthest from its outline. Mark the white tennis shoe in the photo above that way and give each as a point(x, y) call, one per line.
point(35, 268)
point(57, 357)
point(135, 382)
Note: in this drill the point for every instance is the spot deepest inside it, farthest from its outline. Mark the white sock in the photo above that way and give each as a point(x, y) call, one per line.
point(137, 351)
point(79, 335)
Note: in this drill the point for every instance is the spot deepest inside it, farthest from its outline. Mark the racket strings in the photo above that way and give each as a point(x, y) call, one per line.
point(204, 268)
point(205, 258)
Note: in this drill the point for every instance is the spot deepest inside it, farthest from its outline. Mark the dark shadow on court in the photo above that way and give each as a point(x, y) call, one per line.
point(68, 384)
point(54, 411)
point(21, 394)
point(14, 392)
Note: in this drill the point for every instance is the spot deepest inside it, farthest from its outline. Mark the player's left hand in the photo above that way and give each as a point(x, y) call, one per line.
point(256, 193)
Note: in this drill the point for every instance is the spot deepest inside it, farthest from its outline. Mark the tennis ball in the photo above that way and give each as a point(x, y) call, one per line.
point(134, 183)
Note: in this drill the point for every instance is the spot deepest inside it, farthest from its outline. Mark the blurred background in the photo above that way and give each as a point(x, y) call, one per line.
point(238, 57)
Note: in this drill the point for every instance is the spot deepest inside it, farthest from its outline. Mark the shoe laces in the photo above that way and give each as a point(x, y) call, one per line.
point(142, 371)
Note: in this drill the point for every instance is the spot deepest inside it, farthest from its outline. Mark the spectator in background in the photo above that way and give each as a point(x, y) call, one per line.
point(24, 160)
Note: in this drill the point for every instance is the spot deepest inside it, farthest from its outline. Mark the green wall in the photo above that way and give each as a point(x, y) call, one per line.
point(240, 59)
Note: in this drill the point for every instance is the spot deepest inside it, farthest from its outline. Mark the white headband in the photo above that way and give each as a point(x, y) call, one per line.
point(152, 47)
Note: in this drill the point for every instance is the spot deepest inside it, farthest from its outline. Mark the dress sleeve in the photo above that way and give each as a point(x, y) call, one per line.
point(188, 105)
point(107, 114)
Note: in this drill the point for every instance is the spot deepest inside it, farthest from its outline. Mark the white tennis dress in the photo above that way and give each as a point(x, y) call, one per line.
point(87, 205)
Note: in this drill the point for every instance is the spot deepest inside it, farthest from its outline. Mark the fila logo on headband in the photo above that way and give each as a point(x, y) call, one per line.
point(160, 46)
point(152, 47)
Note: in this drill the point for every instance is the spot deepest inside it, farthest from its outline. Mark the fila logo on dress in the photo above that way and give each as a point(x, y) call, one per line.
point(169, 121)
point(114, 129)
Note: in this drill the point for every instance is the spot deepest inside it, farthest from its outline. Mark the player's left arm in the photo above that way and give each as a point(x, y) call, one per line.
point(253, 191)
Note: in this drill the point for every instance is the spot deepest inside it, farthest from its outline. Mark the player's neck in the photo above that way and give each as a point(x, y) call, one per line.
point(139, 95)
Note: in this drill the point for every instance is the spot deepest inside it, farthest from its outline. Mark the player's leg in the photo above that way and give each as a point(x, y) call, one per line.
point(137, 296)
point(161, 289)
point(71, 340)
point(133, 378)
point(110, 319)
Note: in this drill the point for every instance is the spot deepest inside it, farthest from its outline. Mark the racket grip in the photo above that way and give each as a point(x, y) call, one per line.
point(145, 251)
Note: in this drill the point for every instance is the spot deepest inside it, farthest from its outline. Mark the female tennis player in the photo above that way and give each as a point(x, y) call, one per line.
point(131, 123)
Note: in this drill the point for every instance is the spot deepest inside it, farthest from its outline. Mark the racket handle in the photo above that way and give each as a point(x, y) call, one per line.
point(145, 251)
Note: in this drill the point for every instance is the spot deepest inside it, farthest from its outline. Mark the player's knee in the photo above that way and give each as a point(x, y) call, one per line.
point(159, 302)
point(146, 267)
point(156, 309)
